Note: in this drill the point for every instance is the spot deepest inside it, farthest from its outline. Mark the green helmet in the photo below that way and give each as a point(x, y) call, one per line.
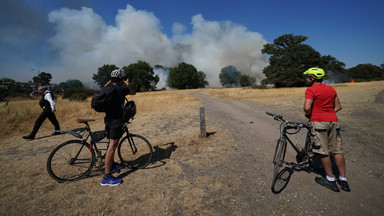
point(318, 73)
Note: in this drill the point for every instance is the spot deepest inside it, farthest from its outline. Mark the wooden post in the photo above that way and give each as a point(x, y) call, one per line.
point(203, 131)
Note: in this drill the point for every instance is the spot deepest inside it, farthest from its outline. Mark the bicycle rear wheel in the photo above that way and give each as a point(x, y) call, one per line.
point(70, 161)
point(135, 151)
point(278, 159)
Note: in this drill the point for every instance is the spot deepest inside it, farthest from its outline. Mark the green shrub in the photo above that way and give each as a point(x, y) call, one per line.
point(78, 96)
point(69, 92)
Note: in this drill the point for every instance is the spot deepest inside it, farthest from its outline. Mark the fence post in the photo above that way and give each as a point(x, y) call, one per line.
point(203, 131)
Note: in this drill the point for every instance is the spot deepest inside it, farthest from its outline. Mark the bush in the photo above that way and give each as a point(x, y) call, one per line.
point(69, 92)
point(78, 96)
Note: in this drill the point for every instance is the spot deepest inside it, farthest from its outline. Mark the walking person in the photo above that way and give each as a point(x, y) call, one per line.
point(48, 105)
point(320, 106)
point(114, 124)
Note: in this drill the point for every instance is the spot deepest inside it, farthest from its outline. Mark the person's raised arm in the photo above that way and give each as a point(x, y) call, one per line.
point(109, 82)
point(132, 91)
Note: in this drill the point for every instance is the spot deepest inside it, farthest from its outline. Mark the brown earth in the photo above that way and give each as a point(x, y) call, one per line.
point(227, 173)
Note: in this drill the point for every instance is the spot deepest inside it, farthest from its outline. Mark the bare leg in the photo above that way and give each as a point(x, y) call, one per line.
point(109, 157)
point(327, 163)
point(340, 163)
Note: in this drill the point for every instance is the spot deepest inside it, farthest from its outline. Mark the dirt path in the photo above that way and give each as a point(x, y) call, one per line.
point(227, 173)
point(255, 135)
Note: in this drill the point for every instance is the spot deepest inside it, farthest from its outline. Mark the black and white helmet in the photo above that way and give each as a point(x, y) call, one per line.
point(118, 73)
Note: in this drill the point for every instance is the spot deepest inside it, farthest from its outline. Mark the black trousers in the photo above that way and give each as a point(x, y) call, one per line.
point(47, 113)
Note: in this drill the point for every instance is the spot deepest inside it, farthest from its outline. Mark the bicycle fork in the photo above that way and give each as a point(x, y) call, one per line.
point(132, 145)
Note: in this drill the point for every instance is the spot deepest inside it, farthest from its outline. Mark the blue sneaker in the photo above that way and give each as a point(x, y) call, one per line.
point(116, 167)
point(110, 181)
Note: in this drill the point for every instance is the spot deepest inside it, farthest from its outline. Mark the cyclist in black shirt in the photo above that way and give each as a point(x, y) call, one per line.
point(114, 123)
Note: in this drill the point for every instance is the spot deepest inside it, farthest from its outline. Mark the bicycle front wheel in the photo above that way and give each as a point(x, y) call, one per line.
point(135, 151)
point(278, 159)
point(70, 161)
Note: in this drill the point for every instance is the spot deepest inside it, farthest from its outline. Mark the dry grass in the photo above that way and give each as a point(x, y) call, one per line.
point(353, 96)
point(19, 115)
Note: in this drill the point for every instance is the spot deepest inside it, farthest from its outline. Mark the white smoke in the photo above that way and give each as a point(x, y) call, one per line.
point(85, 43)
point(163, 74)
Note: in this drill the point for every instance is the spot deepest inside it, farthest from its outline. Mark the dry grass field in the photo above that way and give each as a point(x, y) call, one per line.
point(19, 115)
point(183, 179)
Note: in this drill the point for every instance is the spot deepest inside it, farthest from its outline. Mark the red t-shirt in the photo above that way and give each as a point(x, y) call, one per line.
point(323, 97)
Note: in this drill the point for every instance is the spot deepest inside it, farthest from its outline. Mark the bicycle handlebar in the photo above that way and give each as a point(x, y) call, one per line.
point(290, 124)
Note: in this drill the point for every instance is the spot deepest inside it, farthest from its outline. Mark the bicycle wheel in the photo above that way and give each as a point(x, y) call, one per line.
point(278, 159)
point(70, 161)
point(135, 151)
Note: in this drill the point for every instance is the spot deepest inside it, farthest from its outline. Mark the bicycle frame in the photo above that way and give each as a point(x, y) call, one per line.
point(285, 126)
point(297, 147)
point(92, 143)
point(74, 159)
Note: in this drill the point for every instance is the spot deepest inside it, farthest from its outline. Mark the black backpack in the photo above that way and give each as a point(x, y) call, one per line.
point(44, 103)
point(102, 99)
point(129, 110)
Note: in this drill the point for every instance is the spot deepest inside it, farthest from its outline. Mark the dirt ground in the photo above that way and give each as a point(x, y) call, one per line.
point(227, 173)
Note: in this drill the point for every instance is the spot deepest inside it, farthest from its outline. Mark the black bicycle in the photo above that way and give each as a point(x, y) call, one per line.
point(74, 159)
point(304, 156)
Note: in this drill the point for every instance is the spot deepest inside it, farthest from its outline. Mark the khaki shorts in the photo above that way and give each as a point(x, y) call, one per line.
point(326, 138)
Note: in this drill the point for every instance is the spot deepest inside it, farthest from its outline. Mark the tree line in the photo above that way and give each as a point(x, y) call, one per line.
point(288, 56)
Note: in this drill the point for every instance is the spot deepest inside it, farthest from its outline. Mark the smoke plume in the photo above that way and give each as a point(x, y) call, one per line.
point(85, 42)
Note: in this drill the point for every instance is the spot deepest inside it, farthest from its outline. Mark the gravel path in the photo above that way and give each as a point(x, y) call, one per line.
point(251, 168)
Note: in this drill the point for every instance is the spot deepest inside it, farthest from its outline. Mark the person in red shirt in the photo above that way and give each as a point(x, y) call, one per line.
point(320, 106)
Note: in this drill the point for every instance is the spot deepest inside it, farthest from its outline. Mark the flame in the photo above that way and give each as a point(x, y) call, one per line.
point(351, 80)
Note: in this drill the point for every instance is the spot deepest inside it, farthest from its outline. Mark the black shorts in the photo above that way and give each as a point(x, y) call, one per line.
point(114, 128)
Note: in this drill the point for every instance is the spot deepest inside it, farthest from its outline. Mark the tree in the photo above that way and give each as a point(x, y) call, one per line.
point(61, 86)
point(186, 76)
point(289, 58)
point(202, 79)
point(103, 74)
point(329, 63)
point(13, 88)
point(366, 72)
point(141, 76)
point(43, 78)
point(74, 84)
point(229, 75)
point(245, 80)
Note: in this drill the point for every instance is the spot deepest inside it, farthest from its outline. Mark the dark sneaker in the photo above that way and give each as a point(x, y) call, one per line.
point(116, 167)
point(30, 137)
point(344, 185)
point(110, 181)
point(328, 184)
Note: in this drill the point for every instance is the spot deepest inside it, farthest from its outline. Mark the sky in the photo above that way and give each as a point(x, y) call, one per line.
point(71, 39)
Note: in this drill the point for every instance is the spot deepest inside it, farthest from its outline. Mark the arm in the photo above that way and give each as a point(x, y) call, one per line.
point(308, 107)
point(337, 105)
point(131, 90)
point(49, 98)
point(109, 82)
